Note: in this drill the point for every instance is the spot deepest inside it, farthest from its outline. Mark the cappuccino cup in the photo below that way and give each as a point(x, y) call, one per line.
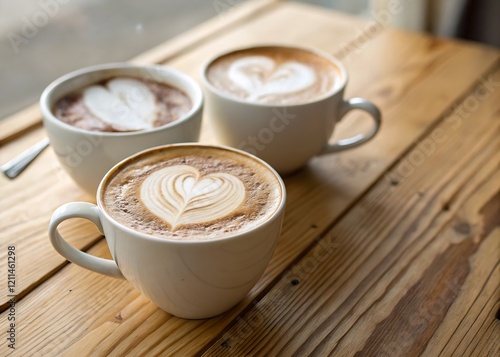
point(98, 116)
point(191, 226)
point(281, 103)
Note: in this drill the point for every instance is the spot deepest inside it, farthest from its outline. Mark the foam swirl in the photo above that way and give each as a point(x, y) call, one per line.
point(260, 76)
point(126, 104)
point(180, 195)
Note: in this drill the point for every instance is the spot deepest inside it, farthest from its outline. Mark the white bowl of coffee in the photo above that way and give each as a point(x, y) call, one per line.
point(191, 226)
point(281, 103)
point(99, 115)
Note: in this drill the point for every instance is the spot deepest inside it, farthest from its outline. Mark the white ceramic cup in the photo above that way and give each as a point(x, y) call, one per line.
point(188, 278)
point(88, 155)
point(285, 136)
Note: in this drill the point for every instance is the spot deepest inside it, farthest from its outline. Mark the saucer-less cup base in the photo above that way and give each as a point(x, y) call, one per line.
point(285, 136)
point(189, 279)
point(87, 155)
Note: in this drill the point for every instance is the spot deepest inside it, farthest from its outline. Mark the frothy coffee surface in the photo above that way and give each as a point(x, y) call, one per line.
point(274, 75)
point(191, 193)
point(123, 104)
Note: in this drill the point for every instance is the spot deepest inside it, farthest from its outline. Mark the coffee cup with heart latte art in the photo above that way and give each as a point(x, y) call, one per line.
point(281, 103)
point(192, 226)
point(99, 115)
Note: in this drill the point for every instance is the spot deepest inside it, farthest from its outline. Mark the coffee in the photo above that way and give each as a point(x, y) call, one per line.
point(191, 193)
point(123, 104)
point(274, 75)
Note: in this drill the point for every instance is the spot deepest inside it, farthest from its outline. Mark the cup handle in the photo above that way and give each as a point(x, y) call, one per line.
point(358, 139)
point(85, 260)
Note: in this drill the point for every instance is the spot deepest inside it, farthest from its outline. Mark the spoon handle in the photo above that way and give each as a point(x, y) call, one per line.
point(14, 167)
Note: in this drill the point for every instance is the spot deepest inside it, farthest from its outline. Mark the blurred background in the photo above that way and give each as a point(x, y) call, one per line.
point(43, 39)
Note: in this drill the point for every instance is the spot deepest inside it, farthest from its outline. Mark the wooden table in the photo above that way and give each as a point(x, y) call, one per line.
point(390, 249)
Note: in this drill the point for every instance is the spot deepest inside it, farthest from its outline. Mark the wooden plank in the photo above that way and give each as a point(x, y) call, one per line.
point(57, 188)
point(410, 270)
point(269, 28)
point(413, 86)
point(26, 204)
point(230, 16)
point(489, 344)
point(19, 123)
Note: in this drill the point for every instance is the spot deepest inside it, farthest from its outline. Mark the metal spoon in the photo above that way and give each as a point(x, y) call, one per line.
point(14, 167)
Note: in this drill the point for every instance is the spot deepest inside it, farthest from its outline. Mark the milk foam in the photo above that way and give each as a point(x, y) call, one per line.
point(260, 76)
point(191, 193)
point(274, 75)
point(180, 195)
point(126, 104)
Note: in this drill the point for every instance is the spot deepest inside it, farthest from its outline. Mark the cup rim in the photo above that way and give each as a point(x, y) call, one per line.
point(47, 113)
point(334, 90)
point(273, 216)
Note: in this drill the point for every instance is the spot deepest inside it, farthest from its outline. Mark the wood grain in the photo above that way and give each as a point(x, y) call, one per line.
point(123, 321)
point(19, 123)
point(412, 269)
point(415, 80)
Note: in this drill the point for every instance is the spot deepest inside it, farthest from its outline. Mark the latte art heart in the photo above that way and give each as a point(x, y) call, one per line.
point(180, 195)
point(260, 76)
point(125, 104)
